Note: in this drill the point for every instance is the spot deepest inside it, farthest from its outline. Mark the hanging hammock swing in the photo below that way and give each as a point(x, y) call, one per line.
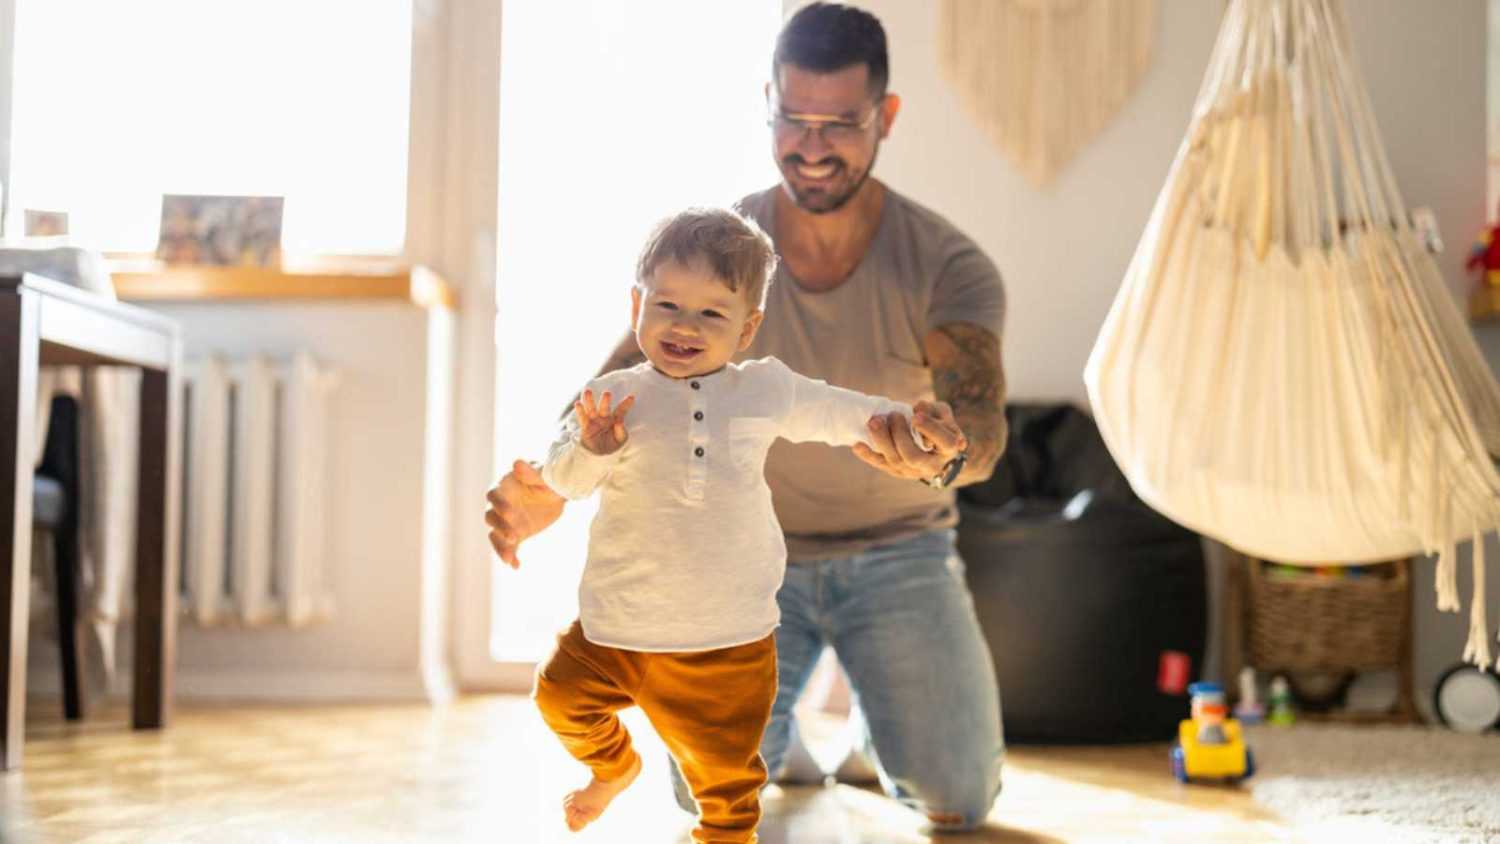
point(1283, 367)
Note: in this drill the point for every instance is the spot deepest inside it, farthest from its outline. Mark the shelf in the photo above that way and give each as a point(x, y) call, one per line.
point(359, 280)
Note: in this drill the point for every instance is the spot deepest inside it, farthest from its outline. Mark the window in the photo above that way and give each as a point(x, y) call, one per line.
point(612, 116)
point(117, 103)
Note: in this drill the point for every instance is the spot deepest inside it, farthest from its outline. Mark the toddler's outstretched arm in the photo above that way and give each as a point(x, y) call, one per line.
point(899, 440)
point(821, 412)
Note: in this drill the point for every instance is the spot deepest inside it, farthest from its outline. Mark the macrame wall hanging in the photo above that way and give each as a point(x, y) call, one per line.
point(1043, 77)
point(1283, 367)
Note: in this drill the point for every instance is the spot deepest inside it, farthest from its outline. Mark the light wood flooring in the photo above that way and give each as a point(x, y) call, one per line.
point(486, 769)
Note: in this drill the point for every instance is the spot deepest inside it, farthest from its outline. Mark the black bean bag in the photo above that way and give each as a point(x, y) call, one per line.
point(1080, 589)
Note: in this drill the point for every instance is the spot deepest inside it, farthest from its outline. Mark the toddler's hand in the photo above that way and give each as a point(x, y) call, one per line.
point(599, 430)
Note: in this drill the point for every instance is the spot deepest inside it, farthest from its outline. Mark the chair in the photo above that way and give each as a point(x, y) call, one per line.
point(55, 515)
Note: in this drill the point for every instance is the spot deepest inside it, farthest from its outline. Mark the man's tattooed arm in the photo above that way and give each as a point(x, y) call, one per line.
point(966, 373)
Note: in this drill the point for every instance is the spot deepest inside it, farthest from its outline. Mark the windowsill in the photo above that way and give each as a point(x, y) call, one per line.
point(301, 262)
point(142, 278)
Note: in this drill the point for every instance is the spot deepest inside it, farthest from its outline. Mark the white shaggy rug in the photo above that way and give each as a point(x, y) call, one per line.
point(1380, 783)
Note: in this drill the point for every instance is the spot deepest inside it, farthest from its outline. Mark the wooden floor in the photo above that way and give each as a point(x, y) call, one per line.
point(486, 769)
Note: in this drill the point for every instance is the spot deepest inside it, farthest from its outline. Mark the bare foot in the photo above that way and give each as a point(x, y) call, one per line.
point(585, 805)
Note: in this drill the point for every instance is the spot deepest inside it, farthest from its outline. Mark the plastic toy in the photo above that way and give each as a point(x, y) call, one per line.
point(1485, 257)
point(1210, 746)
point(1284, 571)
point(1282, 714)
point(1249, 710)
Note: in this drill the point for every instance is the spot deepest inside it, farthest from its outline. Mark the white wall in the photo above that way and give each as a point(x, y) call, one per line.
point(1063, 249)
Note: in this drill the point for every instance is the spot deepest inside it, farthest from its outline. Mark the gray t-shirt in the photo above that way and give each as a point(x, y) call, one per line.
point(866, 334)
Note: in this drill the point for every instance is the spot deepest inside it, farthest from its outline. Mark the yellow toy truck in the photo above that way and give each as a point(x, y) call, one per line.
point(1210, 746)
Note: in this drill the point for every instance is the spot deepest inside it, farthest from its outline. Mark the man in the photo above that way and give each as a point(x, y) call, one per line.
point(877, 294)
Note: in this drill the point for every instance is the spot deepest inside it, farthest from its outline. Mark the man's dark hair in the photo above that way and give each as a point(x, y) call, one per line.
point(826, 37)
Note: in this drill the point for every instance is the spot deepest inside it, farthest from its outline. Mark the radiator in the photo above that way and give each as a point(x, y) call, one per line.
point(255, 471)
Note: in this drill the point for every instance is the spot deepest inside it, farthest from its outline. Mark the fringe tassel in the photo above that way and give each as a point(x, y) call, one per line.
point(1447, 578)
point(1044, 79)
point(1477, 649)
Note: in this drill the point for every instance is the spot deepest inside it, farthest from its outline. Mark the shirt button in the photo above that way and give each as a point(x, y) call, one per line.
point(698, 451)
point(695, 385)
point(698, 415)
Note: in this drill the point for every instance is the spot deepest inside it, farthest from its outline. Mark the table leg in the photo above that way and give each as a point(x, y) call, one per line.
point(19, 325)
point(158, 505)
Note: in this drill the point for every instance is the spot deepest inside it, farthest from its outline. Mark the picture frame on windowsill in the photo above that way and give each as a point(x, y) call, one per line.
point(40, 223)
point(220, 230)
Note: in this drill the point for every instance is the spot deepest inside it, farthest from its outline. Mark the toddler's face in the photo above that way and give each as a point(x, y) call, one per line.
point(688, 322)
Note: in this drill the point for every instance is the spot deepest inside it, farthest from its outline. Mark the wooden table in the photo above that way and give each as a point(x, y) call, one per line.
point(47, 323)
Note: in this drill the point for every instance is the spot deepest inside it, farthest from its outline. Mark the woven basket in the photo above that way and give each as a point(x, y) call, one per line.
point(1312, 623)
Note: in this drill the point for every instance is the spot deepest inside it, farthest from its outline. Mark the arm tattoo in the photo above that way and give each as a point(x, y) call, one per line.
point(627, 354)
point(966, 373)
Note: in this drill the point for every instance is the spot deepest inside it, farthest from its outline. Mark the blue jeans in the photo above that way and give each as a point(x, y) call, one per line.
point(901, 621)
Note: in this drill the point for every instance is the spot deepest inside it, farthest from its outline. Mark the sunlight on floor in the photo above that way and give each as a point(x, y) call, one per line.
point(486, 769)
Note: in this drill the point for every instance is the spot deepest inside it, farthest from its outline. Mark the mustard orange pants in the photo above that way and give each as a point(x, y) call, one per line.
point(709, 707)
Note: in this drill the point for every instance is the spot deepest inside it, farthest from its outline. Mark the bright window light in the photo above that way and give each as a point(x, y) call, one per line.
point(612, 116)
point(117, 103)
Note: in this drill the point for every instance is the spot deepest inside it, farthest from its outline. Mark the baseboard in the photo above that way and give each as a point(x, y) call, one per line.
point(293, 686)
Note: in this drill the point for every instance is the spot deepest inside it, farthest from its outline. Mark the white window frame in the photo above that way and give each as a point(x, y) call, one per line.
point(7, 86)
point(451, 225)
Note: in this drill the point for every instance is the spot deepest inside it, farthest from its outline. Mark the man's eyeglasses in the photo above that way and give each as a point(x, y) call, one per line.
point(835, 130)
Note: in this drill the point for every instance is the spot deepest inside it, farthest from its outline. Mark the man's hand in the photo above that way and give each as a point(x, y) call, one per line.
point(896, 452)
point(521, 506)
point(600, 431)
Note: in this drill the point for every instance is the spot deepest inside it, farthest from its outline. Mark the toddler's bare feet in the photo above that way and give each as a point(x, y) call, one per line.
point(585, 805)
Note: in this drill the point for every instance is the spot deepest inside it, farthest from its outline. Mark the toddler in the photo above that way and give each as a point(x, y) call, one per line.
point(677, 605)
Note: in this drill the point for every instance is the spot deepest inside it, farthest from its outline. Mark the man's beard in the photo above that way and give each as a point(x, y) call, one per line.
point(818, 202)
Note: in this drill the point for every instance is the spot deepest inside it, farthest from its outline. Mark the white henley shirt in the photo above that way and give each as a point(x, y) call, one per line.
point(685, 553)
